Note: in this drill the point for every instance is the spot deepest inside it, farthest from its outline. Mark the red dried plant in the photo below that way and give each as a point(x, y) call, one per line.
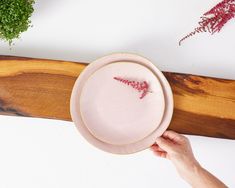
point(139, 86)
point(213, 20)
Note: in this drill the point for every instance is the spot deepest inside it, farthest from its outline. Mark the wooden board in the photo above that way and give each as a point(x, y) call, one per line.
point(42, 88)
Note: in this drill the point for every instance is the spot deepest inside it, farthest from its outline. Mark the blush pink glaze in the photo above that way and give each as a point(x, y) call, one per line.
point(75, 105)
point(113, 112)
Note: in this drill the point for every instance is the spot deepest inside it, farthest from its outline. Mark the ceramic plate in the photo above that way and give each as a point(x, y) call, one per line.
point(89, 116)
point(115, 112)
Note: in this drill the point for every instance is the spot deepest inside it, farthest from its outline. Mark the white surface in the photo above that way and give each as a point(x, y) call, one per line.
point(82, 30)
point(38, 153)
point(45, 153)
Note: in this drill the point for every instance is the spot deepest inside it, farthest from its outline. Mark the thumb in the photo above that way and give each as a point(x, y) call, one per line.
point(164, 144)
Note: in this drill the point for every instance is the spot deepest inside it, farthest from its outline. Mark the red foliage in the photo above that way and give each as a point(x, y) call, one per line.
point(213, 20)
point(139, 86)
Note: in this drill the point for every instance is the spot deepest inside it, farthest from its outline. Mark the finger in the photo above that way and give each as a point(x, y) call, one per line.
point(154, 144)
point(170, 134)
point(156, 148)
point(165, 144)
point(160, 154)
point(175, 137)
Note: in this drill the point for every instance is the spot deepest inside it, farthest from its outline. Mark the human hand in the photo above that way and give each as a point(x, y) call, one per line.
point(176, 148)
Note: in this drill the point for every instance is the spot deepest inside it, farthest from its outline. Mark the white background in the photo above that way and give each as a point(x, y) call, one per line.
point(47, 153)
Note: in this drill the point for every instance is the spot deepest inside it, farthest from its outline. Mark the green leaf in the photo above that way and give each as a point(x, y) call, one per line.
point(14, 18)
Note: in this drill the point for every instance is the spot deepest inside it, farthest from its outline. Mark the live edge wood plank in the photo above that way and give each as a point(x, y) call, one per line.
point(41, 88)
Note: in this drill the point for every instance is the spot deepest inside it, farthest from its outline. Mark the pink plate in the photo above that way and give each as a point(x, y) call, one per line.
point(110, 114)
point(114, 112)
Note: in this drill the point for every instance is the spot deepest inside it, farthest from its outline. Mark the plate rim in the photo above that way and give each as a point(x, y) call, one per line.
point(133, 147)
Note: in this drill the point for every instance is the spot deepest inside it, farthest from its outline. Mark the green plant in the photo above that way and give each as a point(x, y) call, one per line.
point(14, 18)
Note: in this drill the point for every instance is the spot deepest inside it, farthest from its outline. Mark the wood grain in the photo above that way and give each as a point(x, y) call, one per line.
point(42, 88)
point(203, 105)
